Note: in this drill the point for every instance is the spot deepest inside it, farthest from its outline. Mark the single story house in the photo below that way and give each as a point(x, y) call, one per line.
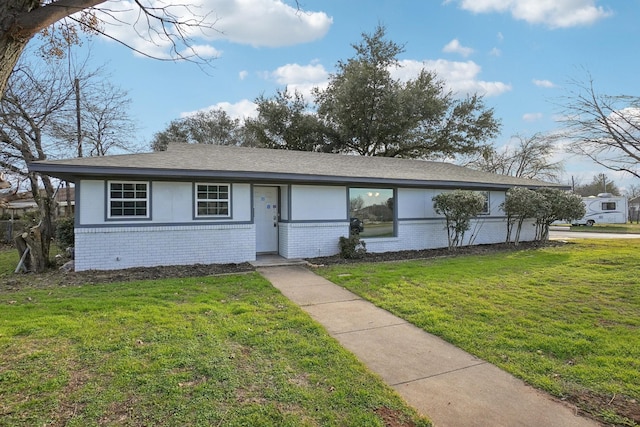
point(204, 204)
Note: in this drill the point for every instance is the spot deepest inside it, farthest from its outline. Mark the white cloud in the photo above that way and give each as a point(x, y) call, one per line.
point(552, 13)
point(544, 83)
point(532, 117)
point(243, 74)
point(269, 23)
point(202, 50)
point(240, 110)
point(459, 77)
point(301, 78)
point(266, 22)
point(454, 46)
point(500, 36)
point(495, 52)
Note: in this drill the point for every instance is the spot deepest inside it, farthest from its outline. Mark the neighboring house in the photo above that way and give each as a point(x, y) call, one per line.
point(16, 204)
point(199, 203)
point(65, 198)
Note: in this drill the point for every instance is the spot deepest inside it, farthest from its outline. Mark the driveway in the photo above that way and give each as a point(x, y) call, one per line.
point(562, 233)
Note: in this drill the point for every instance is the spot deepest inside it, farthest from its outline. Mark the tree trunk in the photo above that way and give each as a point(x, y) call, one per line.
point(21, 245)
point(33, 239)
point(11, 45)
point(20, 20)
point(38, 241)
point(10, 51)
point(38, 238)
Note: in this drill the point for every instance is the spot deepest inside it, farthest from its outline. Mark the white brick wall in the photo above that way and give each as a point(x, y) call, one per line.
point(308, 240)
point(429, 234)
point(124, 247)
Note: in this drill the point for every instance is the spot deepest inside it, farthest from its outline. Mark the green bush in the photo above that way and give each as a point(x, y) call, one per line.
point(64, 232)
point(352, 247)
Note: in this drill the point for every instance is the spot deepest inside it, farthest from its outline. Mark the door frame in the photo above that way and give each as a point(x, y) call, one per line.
point(277, 215)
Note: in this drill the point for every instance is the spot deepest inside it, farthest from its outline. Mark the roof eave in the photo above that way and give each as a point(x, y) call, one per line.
point(73, 172)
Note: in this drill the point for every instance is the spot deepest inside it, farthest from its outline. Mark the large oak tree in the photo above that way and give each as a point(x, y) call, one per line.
point(204, 127)
point(374, 114)
point(286, 122)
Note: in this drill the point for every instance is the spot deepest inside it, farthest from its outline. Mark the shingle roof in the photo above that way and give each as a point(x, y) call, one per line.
point(201, 161)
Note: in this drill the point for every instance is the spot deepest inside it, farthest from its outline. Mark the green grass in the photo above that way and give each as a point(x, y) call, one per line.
point(8, 261)
point(208, 351)
point(565, 319)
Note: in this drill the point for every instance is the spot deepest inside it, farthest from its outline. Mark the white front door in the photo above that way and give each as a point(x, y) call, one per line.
point(265, 207)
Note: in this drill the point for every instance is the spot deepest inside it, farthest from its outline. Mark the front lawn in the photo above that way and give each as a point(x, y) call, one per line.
point(210, 351)
point(565, 319)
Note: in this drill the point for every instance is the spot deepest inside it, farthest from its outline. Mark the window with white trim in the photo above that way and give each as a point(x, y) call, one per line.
point(213, 200)
point(128, 199)
point(486, 207)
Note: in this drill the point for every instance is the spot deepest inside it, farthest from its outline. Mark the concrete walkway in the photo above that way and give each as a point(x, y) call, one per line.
point(448, 385)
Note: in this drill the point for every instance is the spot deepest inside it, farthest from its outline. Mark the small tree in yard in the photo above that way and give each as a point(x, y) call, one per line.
point(458, 208)
point(557, 205)
point(520, 204)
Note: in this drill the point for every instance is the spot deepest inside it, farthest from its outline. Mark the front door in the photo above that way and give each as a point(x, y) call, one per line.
point(265, 207)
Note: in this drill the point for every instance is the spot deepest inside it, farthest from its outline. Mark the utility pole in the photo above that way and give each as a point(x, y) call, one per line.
point(76, 84)
point(78, 120)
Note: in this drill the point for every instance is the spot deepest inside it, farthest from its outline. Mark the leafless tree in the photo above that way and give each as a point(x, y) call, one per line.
point(34, 96)
point(600, 183)
point(632, 191)
point(62, 21)
point(604, 128)
point(531, 157)
point(39, 99)
point(105, 124)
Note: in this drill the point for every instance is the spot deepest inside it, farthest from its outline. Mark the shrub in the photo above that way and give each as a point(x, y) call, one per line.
point(64, 232)
point(352, 247)
point(458, 208)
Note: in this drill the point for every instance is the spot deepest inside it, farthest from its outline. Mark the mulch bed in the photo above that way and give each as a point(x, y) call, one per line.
point(435, 253)
point(55, 277)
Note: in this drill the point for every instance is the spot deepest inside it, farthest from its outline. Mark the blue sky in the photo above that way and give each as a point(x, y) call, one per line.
point(520, 54)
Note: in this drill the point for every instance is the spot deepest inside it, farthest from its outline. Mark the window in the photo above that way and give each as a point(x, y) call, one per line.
point(128, 199)
point(608, 206)
point(485, 208)
point(371, 212)
point(212, 200)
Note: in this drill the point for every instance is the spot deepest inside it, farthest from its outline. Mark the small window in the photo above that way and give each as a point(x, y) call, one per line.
point(485, 207)
point(128, 199)
point(213, 200)
point(608, 206)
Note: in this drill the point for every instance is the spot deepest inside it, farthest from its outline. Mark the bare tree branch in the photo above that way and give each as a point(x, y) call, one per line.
point(61, 20)
point(604, 128)
point(530, 158)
